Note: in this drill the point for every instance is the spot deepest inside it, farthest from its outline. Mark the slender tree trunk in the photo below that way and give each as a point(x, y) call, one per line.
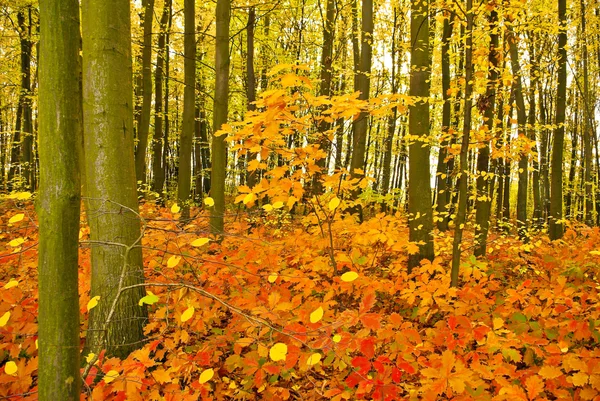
point(144, 127)
point(464, 150)
point(158, 167)
point(220, 112)
point(251, 176)
point(522, 122)
point(487, 106)
point(442, 167)
point(361, 125)
point(59, 201)
point(420, 211)
point(587, 126)
point(26, 157)
point(184, 177)
point(534, 77)
point(556, 227)
point(116, 324)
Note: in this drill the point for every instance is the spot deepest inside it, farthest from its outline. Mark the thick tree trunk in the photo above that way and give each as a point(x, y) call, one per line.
point(184, 177)
point(556, 226)
point(112, 208)
point(220, 112)
point(58, 205)
point(420, 211)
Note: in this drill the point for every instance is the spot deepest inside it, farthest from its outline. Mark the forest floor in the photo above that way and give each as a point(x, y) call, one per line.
point(264, 315)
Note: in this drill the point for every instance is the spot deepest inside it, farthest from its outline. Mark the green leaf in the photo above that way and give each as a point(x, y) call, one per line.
point(149, 299)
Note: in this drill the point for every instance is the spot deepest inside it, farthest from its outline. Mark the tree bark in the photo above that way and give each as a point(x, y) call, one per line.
point(220, 112)
point(420, 211)
point(116, 324)
point(184, 177)
point(58, 205)
point(144, 127)
point(556, 226)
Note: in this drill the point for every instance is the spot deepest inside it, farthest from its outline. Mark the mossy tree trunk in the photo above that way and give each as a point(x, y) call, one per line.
point(220, 111)
point(112, 208)
point(420, 210)
point(58, 205)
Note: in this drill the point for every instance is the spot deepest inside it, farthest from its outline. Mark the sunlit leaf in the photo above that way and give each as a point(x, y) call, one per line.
point(10, 368)
point(173, 261)
point(12, 283)
point(334, 203)
point(272, 277)
point(16, 242)
point(313, 359)
point(209, 202)
point(93, 302)
point(175, 208)
point(278, 352)
point(90, 357)
point(267, 208)
point(110, 376)
point(316, 315)
point(187, 314)
point(16, 218)
point(4, 319)
point(149, 299)
point(278, 205)
point(206, 376)
point(349, 276)
point(200, 242)
point(248, 198)
point(337, 338)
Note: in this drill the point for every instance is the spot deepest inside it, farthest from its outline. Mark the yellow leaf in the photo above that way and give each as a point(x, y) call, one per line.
point(248, 198)
point(272, 277)
point(187, 315)
point(313, 359)
point(291, 201)
point(23, 195)
point(267, 208)
point(337, 338)
point(4, 319)
point(288, 80)
point(173, 261)
point(12, 283)
point(175, 208)
point(206, 376)
point(209, 202)
point(16, 218)
point(278, 352)
point(36, 343)
point(498, 323)
point(10, 368)
point(550, 372)
point(349, 276)
point(93, 302)
point(16, 242)
point(278, 205)
point(200, 242)
point(595, 253)
point(334, 203)
point(110, 376)
point(316, 315)
point(90, 357)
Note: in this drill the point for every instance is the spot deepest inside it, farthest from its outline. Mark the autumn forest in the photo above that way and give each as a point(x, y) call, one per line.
point(299, 200)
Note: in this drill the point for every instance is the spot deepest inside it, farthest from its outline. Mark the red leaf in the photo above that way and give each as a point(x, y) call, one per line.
point(362, 364)
point(371, 321)
point(396, 375)
point(353, 379)
point(367, 347)
point(367, 302)
point(407, 367)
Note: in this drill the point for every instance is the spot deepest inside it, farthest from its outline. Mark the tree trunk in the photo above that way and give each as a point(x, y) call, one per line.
point(184, 177)
point(464, 150)
point(116, 324)
point(522, 122)
point(158, 167)
point(420, 211)
point(144, 127)
point(587, 127)
point(556, 226)
point(359, 139)
point(220, 112)
point(58, 205)
point(487, 106)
